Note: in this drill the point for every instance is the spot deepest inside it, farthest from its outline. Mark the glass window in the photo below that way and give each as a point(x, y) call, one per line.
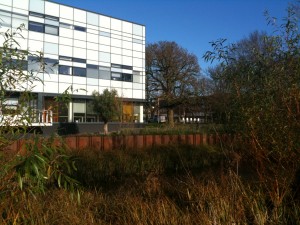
point(66, 25)
point(18, 20)
point(53, 18)
point(51, 66)
point(104, 74)
point(37, 6)
point(80, 28)
point(37, 27)
point(35, 14)
point(92, 73)
point(116, 76)
point(91, 66)
point(79, 60)
point(51, 30)
point(65, 58)
point(127, 67)
point(78, 71)
point(127, 77)
point(66, 70)
point(116, 65)
point(105, 34)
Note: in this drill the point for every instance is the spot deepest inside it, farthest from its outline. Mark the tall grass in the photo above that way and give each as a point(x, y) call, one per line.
point(161, 185)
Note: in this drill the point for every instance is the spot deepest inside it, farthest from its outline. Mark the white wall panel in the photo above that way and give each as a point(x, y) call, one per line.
point(104, 21)
point(65, 79)
point(127, 45)
point(63, 87)
point(65, 41)
point(127, 60)
point(137, 86)
point(65, 32)
point(92, 38)
point(116, 84)
point(80, 35)
point(66, 12)
point(37, 86)
point(93, 55)
point(35, 19)
point(81, 65)
point(51, 77)
point(81, 44)
point(104, 57)
point(21, 11)
point(116, 24)
point(93, 46)
point(51, 48)
point(116, 59)
point(6, 2)
point(137, 54)
point(51, 9)
point(79, 80)
point(137, 29)
point(104, 40)
point(101, 89)
point(51, 38)
point(127, 93)
point(104, 48)
point(79, 89)
point(50, 87)
point(137, 62)
point(66, 50)
point(80, 15)
point(22, 43)
point(115, 50)
point(127, 27)
point(127, 85)
point(35, 45)
point(93, 30)
point(91, 81)
point(105, 83)
point(92, 18)
point(137, 47)
point(79, 53)
point(127, 52)
point(137, 94)
point(90, 89)
point(116, 43)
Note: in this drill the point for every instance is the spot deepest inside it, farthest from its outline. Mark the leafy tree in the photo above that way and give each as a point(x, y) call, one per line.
point(260, 75)
point(171, 74)
point(107, 105)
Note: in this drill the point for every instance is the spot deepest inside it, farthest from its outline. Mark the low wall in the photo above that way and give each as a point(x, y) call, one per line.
point(107, 143)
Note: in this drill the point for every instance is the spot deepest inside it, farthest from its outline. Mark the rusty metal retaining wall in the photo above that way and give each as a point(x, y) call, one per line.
point(106, 143)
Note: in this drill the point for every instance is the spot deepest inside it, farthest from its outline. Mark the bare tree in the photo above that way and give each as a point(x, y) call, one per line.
point(171, 74)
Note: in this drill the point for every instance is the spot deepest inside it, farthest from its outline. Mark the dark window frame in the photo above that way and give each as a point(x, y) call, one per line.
point(32, 24)
point(60, 71)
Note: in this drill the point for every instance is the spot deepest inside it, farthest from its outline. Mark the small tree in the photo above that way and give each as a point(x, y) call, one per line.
point(107, 105)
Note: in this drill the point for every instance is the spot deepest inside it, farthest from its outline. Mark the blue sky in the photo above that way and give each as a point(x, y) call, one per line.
point(190, 23)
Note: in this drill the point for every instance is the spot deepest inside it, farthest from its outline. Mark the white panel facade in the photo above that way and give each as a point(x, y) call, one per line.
point(85, 49)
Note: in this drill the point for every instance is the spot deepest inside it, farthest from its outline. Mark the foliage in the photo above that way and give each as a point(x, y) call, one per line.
point(171, 74)
point(168, 185)
point(107, 105)
point(260, 75)
point(15, 82)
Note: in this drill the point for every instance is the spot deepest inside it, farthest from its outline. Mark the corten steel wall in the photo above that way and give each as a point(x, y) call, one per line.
point(107, 143)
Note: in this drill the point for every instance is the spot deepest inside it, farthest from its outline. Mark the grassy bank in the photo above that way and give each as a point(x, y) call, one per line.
point(162, 185)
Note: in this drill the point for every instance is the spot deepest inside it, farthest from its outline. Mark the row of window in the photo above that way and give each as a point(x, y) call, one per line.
point(102, 73)
point(43, 28)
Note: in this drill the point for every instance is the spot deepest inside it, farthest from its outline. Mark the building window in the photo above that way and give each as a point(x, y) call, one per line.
point(78, 60)
point(127, 67)
point(77, 71)
point(37, 27)
point(104, 73)
point(66, 70)
point(127, 77)
point(51, 30)
point(83, 29)
point(116, 76)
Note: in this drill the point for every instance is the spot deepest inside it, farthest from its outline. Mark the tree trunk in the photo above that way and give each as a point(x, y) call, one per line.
point(171, 117)
point(105, 128)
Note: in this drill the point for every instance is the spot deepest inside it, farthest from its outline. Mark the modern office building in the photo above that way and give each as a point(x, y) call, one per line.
point(83, 49)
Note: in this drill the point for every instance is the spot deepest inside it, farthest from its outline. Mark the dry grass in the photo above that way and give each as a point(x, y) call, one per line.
point(132, 189)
